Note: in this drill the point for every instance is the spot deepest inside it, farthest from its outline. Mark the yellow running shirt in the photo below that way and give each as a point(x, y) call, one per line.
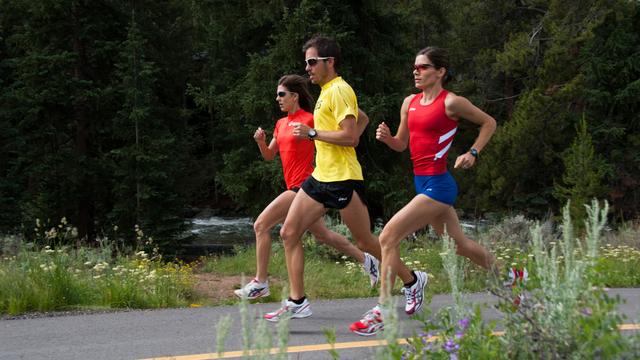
point(334, 162)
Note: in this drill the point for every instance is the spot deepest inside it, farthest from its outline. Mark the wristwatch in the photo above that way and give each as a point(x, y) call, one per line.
point(312, 133)
point(473, 152)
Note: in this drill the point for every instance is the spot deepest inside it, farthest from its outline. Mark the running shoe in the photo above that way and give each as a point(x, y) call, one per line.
point(290, 309)
point(253, 290)
point(415, 294)
point(517, 278)
point(371, 266)
point(370, 324)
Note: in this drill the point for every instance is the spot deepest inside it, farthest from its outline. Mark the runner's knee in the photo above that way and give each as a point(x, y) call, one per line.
point(260, 226)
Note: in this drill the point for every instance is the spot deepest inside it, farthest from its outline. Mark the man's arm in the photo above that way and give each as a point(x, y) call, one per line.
point(348, 135)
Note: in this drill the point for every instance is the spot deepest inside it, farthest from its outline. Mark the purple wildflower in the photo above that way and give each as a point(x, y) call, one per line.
point(464, 323)
point(450, 346)
point(459, 334)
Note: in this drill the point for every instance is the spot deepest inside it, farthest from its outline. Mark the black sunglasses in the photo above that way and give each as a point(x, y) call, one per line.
point(312, 61)
point(420, 67)
point(282, 93)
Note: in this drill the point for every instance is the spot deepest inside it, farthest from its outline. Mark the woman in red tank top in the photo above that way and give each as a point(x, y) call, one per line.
point(296, 156)
point(428, 122)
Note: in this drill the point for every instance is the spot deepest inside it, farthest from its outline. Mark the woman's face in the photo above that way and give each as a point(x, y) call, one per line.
point(286, 99)
point(425, 73)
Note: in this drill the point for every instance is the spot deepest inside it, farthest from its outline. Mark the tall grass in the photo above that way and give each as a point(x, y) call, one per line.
point(50, 279)
point(564, 315)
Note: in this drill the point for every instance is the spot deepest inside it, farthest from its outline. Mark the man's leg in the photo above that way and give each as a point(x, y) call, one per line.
point(325, 236)
point(303, 212)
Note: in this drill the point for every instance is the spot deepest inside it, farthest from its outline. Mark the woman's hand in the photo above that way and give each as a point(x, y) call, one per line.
point(383, 133)
point(465, 161)
point(260, 135)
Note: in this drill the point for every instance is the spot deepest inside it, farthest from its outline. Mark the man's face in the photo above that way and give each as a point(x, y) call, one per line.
point(318, 71)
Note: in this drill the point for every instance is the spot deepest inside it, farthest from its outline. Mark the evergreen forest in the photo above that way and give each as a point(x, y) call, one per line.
point(121, 113)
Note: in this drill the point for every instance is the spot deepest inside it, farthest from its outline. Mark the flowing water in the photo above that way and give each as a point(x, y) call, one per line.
point(214, 234)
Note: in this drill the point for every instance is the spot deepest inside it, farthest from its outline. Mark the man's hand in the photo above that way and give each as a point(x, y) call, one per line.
point(300, 130)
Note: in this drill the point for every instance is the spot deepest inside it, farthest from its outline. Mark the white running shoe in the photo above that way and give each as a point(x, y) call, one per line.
point(289, 308)
point(516, 282)
point(517, 277)
point(253, 290)
point(371, 266)
point(415, 294)
point(370, 324)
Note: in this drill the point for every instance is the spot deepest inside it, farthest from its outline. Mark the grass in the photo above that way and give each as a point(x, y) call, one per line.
point(60, 278)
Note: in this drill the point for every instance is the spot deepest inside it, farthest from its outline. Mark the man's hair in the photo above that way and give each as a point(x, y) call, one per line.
point(300, 86)
point(326, 47)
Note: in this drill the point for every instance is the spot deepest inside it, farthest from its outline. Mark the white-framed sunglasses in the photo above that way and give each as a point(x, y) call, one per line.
point(312, 61)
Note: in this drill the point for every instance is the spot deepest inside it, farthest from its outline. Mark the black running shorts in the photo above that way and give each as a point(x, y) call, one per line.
point(335, 194)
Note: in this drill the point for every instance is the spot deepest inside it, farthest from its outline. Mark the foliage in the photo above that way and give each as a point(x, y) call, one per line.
point(53, 279)
point(124, 113)
point(563, 317)
point(584, 173)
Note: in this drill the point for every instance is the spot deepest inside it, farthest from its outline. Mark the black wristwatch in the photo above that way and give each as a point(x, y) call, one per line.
point(473, 152)
point(312, 134)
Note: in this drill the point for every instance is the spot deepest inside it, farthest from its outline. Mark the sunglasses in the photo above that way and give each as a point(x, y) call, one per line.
point(283, 93)
point(420, 67)
point(312, 61)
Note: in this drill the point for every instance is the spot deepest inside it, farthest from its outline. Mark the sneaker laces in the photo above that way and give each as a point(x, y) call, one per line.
point(370, 316)
point(408, 295)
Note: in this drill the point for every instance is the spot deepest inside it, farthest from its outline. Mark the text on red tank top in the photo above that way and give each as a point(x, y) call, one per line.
point(430, 135)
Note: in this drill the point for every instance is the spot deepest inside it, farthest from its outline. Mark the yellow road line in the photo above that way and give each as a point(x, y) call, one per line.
point(321, 347)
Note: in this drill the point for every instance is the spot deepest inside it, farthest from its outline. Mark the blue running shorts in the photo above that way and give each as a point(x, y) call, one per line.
point(442, 188)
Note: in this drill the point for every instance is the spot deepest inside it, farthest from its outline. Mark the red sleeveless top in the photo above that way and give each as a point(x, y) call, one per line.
point(430, 135)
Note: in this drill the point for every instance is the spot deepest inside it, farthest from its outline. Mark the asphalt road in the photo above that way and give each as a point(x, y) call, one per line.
point(180, 332)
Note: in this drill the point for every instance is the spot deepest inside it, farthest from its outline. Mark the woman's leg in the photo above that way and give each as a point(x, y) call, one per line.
point(272, 215)
point(448, 221)
point(418, 213)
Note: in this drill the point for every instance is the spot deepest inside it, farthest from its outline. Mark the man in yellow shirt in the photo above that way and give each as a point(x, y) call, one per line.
point(336, 182)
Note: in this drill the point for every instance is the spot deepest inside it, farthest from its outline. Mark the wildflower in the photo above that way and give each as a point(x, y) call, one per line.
point(586, 311)
point(450, 346)
point(63, 220)
point(464, 323)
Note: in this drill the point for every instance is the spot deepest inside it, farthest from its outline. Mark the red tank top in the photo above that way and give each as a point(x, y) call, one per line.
point(296, 154)
point(430, 135)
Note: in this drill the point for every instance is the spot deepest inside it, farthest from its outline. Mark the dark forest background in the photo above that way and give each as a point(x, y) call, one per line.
point(116, 113)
